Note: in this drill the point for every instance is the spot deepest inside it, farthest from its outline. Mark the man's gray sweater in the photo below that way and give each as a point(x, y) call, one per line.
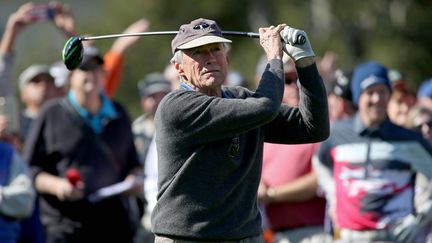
point(210, 152)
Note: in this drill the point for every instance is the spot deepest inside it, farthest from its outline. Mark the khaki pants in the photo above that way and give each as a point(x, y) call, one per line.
point(163, 239)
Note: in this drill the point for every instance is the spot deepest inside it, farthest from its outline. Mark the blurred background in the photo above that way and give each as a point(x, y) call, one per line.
point(394, 32)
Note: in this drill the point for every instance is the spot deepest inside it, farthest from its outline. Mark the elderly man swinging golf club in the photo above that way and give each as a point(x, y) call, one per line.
point(210, 137)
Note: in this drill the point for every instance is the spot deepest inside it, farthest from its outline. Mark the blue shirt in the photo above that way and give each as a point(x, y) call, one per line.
point(96, 121)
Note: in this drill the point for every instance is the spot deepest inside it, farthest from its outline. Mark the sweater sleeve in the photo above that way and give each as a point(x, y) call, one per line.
point(197, 118)
point(17, 197)
point(309, 122)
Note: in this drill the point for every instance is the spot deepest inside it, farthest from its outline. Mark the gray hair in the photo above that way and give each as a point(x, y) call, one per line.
point(177, 58)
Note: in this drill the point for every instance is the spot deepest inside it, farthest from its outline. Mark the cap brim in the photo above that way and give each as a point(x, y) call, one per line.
point(31, 72)
point(156, 89)
point(210, 39)
point(372, 81)
point(91, 63)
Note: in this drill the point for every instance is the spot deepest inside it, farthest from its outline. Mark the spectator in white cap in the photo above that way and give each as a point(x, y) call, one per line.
point(36, 86)
point(61, 77)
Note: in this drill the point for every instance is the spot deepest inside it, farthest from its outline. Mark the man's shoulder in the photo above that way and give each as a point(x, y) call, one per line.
point(180, 100)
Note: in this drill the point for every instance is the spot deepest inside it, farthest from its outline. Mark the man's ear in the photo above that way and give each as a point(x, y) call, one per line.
point(179, 68)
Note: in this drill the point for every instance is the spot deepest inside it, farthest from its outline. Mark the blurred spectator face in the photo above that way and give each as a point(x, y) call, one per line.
point(335, 104)
point(423, 124)
point(399, 105)
point(291, 92)
point(38, 90)
point(152, 89)
point(425, 101)
point(150, 103)
point(87, 81)
point(327, 67)
point(235, 78)
point(171, 74)
point(89, 77)
point(4, 123)
point(372, 104)
point(340, 97)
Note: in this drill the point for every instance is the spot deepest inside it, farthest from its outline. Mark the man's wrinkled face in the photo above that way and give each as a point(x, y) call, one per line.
point(205, 67)
point(373, 104)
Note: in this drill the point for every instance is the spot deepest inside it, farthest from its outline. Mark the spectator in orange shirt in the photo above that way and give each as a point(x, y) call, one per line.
point(114, 59)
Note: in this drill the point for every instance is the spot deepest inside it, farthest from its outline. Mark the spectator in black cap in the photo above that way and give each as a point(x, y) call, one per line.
point(210, 137)
point(340, 97)
point(91, 134)
point(152, 89)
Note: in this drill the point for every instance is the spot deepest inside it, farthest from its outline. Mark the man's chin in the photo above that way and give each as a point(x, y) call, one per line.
point(214, 81)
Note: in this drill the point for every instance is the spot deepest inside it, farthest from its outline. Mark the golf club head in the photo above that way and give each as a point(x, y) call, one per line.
point(72, 53)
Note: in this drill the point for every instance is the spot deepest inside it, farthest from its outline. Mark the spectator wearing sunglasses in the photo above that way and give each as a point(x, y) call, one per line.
point(288, 189)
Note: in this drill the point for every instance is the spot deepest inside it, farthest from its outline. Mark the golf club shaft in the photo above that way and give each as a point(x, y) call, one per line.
point(227, 33)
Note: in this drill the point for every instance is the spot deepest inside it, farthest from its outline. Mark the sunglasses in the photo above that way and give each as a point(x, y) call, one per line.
point(290, 78)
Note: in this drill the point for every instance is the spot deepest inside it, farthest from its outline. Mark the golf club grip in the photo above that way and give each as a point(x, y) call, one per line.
point(301, 39)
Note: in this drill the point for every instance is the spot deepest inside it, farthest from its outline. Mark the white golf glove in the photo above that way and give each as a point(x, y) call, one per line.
point(296, 50)
point(405, 230)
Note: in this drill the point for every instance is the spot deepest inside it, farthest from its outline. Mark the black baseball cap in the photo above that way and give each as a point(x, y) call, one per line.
point(153, 83)
point(198, 32)
point(91, 58)
point(342, 85)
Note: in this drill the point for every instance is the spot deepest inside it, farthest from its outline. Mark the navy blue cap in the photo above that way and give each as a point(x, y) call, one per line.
point(366, 75)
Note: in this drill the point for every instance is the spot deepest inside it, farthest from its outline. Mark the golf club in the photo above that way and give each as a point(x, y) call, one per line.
point(72, 53)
